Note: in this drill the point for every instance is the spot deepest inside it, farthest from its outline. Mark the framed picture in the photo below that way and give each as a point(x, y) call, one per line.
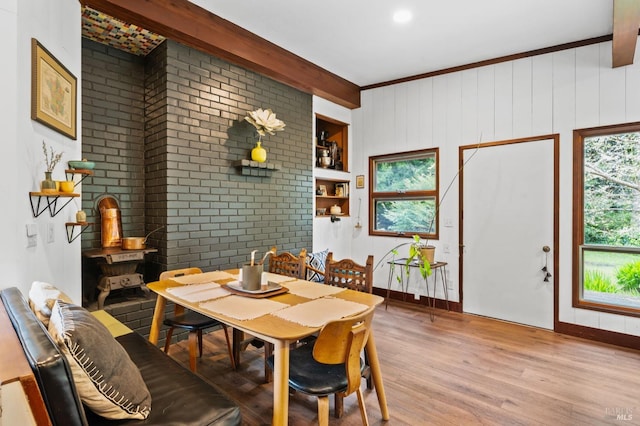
point(53, 92)
point(323, 190)
point(360, 181)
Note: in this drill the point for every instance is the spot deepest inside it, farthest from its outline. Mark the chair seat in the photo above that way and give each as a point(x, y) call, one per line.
point(191, 321)
point(304, 372)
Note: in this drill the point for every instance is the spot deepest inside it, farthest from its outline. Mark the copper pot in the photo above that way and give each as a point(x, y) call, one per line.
point(137, 243)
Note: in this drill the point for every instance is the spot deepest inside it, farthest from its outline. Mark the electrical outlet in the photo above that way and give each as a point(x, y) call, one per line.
point(32, 241)
point(416, 296)
point(51, 236)
point(445, 248)
point(449, 285)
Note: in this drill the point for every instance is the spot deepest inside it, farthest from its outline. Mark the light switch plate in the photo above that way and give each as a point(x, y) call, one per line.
point(32, 229)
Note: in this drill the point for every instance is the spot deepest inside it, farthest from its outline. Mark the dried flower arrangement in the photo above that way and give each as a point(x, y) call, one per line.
point(265, 121)
point(51, 159)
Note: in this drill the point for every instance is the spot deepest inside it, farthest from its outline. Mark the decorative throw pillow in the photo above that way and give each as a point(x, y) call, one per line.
point(42, 296)
point(108, 382)
point(317, 260)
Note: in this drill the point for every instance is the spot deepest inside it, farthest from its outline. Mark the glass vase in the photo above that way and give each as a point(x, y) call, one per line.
point(48, 184)
point(258, 153)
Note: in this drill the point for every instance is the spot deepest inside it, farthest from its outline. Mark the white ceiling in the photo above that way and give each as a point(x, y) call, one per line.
point(358, 40)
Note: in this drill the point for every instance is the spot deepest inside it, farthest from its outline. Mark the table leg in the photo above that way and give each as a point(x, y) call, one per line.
point(156, 322)
point(281, 383)
point(238, 338)
point(376, 374)
point(443, 277)
point(386, 303)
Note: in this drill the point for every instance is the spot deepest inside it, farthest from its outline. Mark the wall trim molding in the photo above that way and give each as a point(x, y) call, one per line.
point(515, 56)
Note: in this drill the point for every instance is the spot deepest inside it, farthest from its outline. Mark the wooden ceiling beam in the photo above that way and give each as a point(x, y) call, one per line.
point(191, 25)
point(626, 22)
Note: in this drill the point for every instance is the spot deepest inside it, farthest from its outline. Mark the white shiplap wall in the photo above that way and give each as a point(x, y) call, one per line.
point(552, 93)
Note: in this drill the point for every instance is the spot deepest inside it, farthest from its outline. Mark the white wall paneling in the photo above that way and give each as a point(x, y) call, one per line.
point(552, 93)
point(522, 97)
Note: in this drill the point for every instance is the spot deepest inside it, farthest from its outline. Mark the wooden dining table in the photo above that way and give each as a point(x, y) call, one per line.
point(269, 327)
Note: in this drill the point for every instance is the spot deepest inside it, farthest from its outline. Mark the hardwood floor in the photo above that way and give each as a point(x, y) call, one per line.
point(458, 370)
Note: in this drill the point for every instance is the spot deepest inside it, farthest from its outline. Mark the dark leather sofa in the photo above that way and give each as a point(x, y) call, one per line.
point(179, 397)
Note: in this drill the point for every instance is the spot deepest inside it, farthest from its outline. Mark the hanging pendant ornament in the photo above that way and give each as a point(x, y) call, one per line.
point(547, 275)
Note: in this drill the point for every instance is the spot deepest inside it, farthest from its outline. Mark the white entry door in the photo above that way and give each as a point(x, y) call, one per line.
point(507, 220)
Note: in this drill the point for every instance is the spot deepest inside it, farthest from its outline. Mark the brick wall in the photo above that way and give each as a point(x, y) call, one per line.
point(214, 215)
point(164, 132)
point(113, 135)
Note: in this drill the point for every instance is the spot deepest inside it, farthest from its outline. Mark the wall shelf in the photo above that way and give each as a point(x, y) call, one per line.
point(253, 168)
point(50, 202)
point(71, 229)
point(332, 134)
point(333, 188)
point(84, 173)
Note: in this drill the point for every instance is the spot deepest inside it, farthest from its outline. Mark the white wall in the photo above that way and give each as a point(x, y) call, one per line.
point(553, 93)
point(56, 25)
point(336, 236)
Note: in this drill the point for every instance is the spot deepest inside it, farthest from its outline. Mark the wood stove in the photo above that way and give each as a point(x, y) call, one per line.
point(118, 269)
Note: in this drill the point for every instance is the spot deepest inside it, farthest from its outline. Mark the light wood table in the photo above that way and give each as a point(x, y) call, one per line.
point(281, 333)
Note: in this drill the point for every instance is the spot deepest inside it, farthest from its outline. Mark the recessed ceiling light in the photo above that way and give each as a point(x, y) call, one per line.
point(402, 16)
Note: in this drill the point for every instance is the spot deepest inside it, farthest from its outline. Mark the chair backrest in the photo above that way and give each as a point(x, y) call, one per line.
point(342, 341)
point(288, 264)
point(179, 273)
point(346, 273)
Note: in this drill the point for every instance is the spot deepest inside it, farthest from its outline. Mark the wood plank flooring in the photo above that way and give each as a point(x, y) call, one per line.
point(458, 370)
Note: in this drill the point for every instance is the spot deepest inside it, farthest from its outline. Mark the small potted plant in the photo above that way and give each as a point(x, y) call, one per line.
point(423, 254)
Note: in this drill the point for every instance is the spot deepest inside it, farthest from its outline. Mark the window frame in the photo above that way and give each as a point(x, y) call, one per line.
point(407, 195)
point(578, 244)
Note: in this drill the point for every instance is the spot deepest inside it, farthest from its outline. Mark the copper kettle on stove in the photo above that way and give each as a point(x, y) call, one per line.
point(111, 222)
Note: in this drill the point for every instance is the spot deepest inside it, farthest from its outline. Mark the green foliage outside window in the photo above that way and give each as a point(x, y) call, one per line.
point(629, 277)
point(404, 193)
point(612, 190)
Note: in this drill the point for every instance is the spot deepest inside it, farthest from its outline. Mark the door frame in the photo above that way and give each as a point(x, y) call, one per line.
point(556, 212)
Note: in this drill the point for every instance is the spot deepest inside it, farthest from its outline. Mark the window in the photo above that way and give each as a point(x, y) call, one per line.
point(404, 194)
point(606, 246)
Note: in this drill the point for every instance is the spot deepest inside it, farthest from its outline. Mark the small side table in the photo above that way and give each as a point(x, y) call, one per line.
point(436, 268)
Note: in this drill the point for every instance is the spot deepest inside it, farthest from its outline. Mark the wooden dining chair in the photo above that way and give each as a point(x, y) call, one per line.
point(349, 274)
point(194, 322)
point(332, 364)
point(286, 264)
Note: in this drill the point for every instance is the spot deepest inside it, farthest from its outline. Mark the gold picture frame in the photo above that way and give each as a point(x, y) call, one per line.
point(53, 92)
point(360, 181)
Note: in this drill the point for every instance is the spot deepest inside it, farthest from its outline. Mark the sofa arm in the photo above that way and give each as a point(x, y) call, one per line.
point(47, 362)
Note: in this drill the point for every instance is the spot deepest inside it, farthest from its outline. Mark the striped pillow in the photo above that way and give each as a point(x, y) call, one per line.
point(108, 382)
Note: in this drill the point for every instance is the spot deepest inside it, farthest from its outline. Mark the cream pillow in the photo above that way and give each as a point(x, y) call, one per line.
point(108, 382)
point(42, 296)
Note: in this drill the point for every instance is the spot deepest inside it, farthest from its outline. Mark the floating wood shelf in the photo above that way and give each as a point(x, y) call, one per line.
point(51, 202)
point(253, 168)
point(71, 229)
point(82, 172)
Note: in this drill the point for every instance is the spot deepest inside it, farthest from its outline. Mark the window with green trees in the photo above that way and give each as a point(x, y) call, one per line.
point(606, 272)
point(404, 194)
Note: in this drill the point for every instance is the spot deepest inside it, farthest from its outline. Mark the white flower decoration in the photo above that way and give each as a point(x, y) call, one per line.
point(265, 121)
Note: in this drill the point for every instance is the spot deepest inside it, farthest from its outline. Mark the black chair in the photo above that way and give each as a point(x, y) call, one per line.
point(332, 364)
point(193, 322)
